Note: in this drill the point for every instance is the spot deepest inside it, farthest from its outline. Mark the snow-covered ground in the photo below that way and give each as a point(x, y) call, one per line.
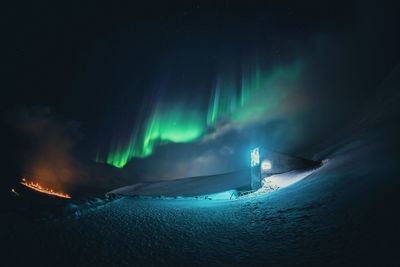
point(214, 186)
point(194, 186)
point(340, 214)
point(344, 213)
point(282, 180)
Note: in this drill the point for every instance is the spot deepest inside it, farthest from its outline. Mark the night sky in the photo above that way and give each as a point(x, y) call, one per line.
point(188, 87)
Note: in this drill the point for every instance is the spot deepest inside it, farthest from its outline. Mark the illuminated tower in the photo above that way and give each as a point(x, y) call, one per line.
point(255, 168)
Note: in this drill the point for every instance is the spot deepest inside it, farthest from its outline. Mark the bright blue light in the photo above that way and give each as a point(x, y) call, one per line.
point(255, 157)
point(230, 194)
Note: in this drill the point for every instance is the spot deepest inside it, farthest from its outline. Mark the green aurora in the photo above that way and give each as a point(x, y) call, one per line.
point(176, 124)
point(239, 97)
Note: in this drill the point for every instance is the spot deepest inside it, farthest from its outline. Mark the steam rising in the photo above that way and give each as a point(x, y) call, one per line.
point(49, 153)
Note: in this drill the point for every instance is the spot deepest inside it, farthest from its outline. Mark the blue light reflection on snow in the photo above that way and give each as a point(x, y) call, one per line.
point(230, 194)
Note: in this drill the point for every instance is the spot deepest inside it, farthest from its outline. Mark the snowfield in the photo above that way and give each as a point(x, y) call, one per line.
point(193, 186)
point(341, 214)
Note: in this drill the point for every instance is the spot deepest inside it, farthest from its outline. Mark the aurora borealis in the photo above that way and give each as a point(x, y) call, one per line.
point(240, 95)
point(176, 124)
point(131, 132)
point(259, 90)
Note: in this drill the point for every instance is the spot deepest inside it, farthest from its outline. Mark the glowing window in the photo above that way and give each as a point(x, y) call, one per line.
point(266, 165)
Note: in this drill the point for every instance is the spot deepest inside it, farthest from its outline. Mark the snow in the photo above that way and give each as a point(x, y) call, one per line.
point(216, 187)
point(194, 186)
point(282, 180)
point(344, 213)
point(333, 216)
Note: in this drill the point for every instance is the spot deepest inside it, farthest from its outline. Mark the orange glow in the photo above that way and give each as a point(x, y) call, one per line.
point(38, 187)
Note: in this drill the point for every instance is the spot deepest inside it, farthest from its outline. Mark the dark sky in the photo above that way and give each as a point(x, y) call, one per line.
point(95, 64)
point(88, 61)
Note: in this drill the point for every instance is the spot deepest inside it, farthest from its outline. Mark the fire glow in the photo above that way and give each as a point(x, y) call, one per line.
point(38, 187)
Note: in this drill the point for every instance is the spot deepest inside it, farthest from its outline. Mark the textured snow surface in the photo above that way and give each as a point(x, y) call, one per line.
point(341, 214)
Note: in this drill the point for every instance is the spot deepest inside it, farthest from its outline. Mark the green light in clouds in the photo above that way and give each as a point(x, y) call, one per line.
point(177, 124)
point(241, 96)
point(258, 92)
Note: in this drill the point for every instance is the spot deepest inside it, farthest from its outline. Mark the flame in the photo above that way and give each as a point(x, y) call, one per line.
point(38, 187)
